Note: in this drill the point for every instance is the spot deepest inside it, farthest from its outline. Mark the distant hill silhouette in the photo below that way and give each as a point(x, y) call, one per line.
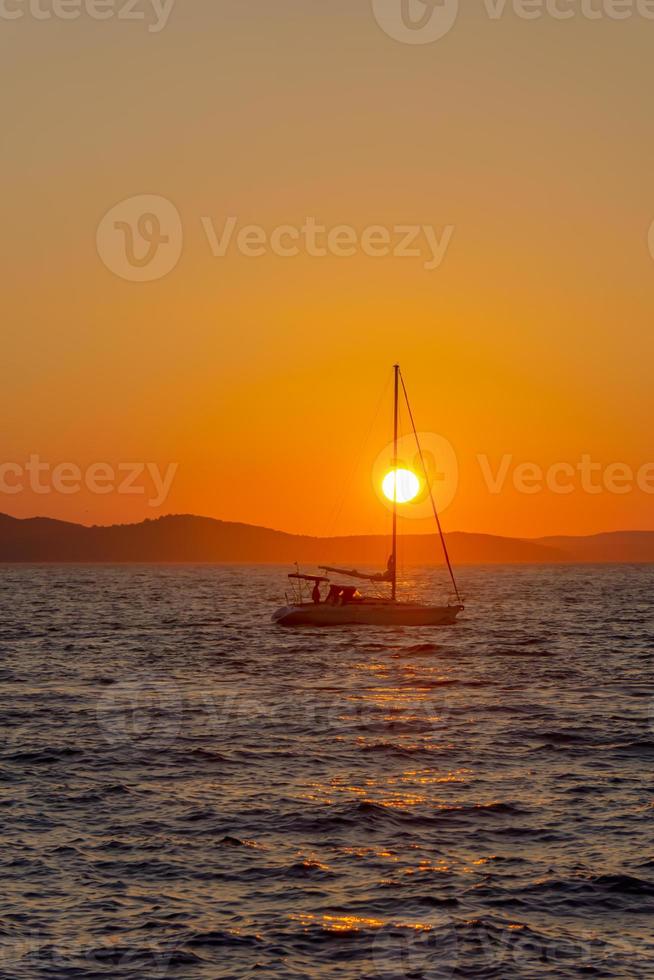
point(184, 538)
point(614, 546)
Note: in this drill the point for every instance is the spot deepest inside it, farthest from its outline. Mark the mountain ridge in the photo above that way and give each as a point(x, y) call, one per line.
point(178, 538)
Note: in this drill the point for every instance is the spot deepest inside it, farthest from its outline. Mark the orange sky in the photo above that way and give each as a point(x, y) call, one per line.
point(259, 377)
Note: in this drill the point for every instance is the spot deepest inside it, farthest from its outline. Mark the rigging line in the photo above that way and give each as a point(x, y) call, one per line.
point(357, 462)
point(431, 495)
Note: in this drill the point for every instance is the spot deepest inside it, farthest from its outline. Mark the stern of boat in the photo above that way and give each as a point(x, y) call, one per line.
point(281, 614)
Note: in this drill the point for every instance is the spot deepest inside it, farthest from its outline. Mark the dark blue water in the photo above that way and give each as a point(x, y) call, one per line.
point(189, 792)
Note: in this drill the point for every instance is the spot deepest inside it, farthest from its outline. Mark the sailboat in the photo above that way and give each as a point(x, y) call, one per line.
point(344, 604)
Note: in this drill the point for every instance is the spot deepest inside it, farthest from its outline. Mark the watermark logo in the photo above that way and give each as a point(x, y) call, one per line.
point(437, 469)
point(38, 953)
point(426, 21)
point(416, 21)
point(427, 949)
point(141, 238)
point(142, 712)
point(650, 239)
point(407, 476)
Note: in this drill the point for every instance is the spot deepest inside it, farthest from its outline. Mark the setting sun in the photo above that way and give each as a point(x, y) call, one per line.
point(408, 486)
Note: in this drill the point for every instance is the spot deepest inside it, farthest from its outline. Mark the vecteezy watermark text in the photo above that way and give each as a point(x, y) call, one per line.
point(141, 238)
point(341, 241)
point(437, 470)
point(585, 476)
point(426, 21)
point(43, 478)
point(155, 13)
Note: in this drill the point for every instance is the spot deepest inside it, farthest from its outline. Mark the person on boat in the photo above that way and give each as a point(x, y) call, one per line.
point(334, 594)
point(315, 595)
point(390, 569)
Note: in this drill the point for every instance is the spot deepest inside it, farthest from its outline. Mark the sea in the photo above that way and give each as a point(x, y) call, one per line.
point(189, 791)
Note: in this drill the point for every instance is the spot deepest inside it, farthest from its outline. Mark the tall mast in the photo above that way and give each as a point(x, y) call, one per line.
point(396, 371)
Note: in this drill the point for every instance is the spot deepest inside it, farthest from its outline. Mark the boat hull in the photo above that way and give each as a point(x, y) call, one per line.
point(366, 614)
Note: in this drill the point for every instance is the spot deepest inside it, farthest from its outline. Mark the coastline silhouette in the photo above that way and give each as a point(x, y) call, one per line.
point(188, 538)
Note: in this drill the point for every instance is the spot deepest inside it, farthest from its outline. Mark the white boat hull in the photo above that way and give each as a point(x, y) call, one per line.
point(366, 614)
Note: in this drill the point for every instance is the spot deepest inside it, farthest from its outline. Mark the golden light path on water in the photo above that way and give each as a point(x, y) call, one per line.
point(378, 802)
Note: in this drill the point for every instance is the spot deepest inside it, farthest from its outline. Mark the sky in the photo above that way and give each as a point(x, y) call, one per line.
point(239, 377)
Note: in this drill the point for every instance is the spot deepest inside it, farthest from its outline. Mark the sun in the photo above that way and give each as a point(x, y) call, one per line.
point(408, 486)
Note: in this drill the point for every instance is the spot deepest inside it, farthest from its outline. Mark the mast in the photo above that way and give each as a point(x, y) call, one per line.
point(396, 371)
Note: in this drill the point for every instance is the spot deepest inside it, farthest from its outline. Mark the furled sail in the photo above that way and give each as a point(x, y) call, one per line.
point(386, 576)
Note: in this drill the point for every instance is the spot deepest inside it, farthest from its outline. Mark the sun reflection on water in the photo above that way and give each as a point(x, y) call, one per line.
point(353, 923)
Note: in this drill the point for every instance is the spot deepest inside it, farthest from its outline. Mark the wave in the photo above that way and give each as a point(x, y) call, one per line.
point(223, 938)
point(328, 825)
